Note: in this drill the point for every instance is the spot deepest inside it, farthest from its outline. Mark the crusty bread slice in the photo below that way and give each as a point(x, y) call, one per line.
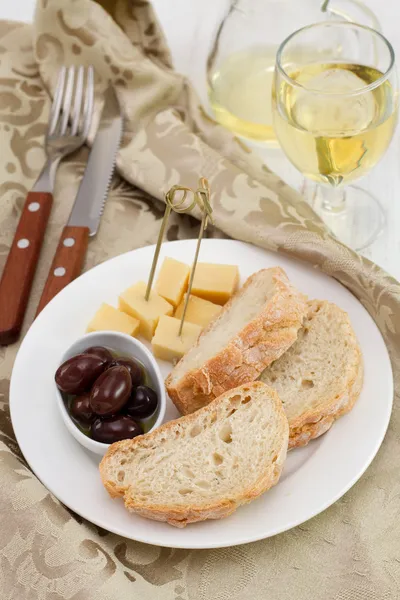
point(320, 377)
point(205, 465)
point(258, 324)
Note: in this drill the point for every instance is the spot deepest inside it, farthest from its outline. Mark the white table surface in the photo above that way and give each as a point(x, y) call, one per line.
point(188, 25)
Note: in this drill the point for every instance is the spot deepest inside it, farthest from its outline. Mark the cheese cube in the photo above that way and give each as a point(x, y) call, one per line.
point(133, 302)
point(172, 281)
point(216, 283)
point(199, 311)
point(166, 343)
point(109, 318)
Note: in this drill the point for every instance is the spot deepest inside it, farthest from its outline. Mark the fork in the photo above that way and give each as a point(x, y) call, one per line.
point(73, 95)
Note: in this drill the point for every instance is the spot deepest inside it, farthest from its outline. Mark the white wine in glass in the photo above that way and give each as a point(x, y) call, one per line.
point(335, 119)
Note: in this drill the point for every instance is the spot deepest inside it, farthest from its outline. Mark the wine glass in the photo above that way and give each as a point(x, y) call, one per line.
point(335, 118)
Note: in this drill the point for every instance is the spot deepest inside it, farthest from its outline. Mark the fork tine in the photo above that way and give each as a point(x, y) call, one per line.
point(67, 100)
point(78, 101)
point(88, 106)
point(56, 106)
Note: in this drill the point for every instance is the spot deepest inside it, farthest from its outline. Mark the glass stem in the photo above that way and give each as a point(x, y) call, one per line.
point(331, 199)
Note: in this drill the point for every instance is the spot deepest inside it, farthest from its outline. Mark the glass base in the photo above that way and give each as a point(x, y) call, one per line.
point(357, 221)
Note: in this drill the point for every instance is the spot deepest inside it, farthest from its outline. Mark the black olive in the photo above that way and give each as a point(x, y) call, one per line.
point(142, 403)
point(114, 429)
point(81, 410)
point(134, 368)
point(111, 391)
point(77, 374)
point(101, 352)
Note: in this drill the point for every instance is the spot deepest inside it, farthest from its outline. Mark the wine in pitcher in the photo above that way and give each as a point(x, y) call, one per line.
point(240, 93)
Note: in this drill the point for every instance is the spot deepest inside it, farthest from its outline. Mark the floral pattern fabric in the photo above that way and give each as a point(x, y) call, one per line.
point(352, 550)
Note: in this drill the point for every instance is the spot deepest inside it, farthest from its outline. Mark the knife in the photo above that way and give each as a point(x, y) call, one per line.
point(88, 207)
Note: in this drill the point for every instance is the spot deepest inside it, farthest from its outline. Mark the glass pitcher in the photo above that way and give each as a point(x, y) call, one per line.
point(240, 66)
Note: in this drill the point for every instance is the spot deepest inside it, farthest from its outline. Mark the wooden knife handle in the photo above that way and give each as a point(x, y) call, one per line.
point(67, 263)
point(19, 270)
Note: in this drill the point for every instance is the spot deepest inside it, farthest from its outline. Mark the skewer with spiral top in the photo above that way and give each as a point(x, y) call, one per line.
point(177, 200)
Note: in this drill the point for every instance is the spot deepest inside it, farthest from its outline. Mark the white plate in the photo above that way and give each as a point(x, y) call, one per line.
point(314, 477)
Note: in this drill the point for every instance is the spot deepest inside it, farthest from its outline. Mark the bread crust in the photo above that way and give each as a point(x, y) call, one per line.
point(178, 515)
point(255, 347)
point(314, 423)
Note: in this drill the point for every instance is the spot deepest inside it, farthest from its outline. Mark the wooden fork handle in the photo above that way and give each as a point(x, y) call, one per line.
point(67, 263)
point(19, 270)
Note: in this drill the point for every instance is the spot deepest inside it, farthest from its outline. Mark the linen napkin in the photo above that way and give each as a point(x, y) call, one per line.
point(352, 550)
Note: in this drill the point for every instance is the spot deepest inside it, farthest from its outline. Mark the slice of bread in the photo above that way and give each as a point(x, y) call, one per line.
point(258, 324)
point(205, 465)
point(320, 377)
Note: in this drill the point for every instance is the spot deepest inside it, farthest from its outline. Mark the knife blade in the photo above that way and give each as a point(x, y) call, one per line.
point(93, 190)
point(88, 207)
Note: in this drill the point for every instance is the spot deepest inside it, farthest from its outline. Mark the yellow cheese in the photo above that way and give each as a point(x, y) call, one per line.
point(166, 343)
point(109, 318)
point(133, 302)
point(199, 311)
point(216, 283)
point(172, 281)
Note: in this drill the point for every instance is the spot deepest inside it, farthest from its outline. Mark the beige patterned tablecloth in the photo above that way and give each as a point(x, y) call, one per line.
point(352, 550)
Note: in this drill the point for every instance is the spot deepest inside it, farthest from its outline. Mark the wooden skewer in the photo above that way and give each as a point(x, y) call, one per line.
point(201, 198)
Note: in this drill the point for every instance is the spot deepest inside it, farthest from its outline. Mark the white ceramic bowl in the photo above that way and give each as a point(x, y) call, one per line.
point(127, 346)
